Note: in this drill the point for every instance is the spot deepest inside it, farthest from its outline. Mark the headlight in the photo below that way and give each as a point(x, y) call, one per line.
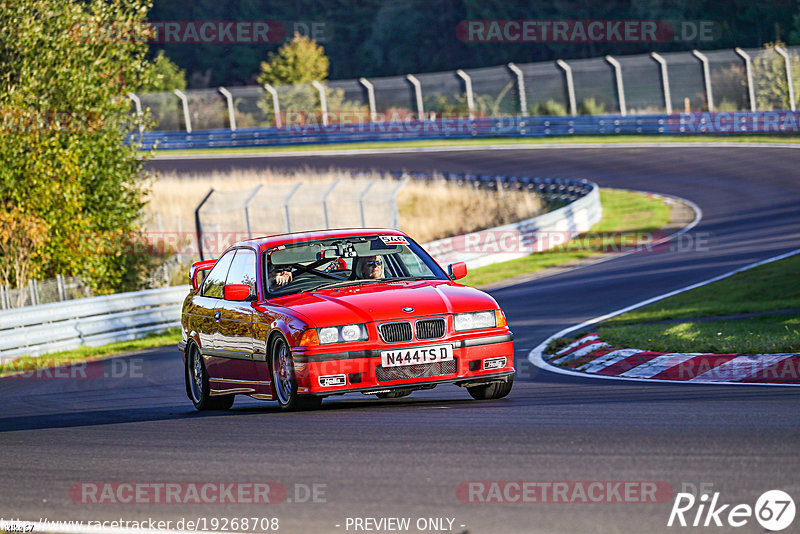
point(474, 321)
point(342, 334)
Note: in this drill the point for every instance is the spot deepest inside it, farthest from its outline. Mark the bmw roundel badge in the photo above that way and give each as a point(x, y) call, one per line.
point(408, 309)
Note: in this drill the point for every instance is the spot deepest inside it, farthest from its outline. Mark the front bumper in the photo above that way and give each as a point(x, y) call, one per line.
point(358, 370)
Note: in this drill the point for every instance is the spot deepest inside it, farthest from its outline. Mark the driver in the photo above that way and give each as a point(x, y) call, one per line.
point(281, 278)
point(370, 267)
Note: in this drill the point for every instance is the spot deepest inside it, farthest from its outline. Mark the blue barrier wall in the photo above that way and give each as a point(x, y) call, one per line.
point(739, 122)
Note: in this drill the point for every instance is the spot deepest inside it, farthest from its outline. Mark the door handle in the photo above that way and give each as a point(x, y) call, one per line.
point(216, 316)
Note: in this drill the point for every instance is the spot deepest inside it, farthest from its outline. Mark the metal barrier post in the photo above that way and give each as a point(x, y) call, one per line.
point(185, 103)
point(231, 115)
point(373, 114)
point(325, 203)
point(706, 78)
point(523, 102)
point(664, 80)
point(247, 209)
point(623, 108)
point(287, 198)
point(417, 92)
point(748, 69)
point(468, 89)
point(323, 101)
point(787, 61)
point(137, 103)
point(573, 108)
point(198, 226)
point(275, 104)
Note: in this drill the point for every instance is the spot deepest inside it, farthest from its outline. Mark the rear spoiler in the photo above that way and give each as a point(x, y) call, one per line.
point(196, 268)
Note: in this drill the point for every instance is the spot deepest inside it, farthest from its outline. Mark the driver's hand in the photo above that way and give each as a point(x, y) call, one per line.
point(282, 278)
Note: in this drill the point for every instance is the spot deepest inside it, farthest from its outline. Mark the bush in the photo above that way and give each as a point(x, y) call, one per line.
point(772, 91)
point(551, 107)
point(590, 106)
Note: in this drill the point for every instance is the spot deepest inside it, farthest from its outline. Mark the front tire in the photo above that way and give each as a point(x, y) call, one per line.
point(284, 381)
point(197, 382)
point(494, 390)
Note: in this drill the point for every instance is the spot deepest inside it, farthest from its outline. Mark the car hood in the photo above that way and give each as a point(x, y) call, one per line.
point(383, 302)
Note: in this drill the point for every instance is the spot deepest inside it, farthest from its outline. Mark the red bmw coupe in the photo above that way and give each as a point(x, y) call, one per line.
point(299, 317)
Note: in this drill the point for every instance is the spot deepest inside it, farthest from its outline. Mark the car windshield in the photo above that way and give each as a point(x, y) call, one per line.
point(329, 263)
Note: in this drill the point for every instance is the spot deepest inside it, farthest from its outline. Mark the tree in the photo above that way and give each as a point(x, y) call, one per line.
point(769, 76)
point(300, 60)
point(67, 68)
point(166, 75)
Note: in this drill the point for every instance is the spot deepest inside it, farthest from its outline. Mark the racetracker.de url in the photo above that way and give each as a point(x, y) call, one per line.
point(198, 524)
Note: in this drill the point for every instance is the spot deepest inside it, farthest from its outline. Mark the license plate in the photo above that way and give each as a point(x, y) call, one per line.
point(416, 355)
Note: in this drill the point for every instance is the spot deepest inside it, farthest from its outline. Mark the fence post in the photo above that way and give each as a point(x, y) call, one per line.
point(62, 291)
point(323, 101)
point(664, 81)
point(468, 89)
point(573, 108)
point(748, 69)
point(185, 103)
point(247, 200)
point(395, 212)
point(706, 78)
point(287, 198)
point(523, 99)
point(418, 93)
point(623, 108)
point(325, 203)
point(231, 115)
point(198, 226)
point(137, 103)
point(275, 104)
point(34, 292)
point(3, 296)
point(361, 198)
point(787, 61)
point(373, 114)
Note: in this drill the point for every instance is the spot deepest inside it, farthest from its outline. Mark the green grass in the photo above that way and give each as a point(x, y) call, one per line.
point(84, 354)
point(758, 335)
point(770, 287)
point(577, 139)
point(623, 211)
point(766, 288)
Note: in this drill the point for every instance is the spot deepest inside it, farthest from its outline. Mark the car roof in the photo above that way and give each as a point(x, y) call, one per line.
point(267, 242)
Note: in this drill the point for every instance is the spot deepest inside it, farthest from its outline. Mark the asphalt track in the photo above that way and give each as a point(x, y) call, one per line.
point(406, 457)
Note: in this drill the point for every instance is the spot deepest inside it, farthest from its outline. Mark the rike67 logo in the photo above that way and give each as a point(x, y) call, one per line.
point(774, 510)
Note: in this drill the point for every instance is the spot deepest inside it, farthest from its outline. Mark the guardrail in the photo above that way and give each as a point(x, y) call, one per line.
point(92, 321)
point(739, 122)
point(95, 321)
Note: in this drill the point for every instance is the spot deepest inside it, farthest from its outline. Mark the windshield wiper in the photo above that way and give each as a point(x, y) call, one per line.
point(329, 285)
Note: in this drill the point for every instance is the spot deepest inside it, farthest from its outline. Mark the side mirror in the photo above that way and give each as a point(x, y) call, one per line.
point(457, 270)
point(236, 292)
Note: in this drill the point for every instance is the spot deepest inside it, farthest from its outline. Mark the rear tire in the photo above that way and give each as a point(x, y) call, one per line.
point(197, 383)
point(284, 382)
point(494, 390)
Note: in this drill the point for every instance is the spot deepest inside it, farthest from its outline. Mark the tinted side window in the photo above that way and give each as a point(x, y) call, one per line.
point(215, 281)
point(243, 269)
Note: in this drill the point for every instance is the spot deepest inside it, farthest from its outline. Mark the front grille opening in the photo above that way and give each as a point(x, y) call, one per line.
point(387, 374)
point(396, 332)
point(430, 328)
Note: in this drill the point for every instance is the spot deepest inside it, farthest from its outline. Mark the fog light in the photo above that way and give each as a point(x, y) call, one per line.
point(474, 365)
